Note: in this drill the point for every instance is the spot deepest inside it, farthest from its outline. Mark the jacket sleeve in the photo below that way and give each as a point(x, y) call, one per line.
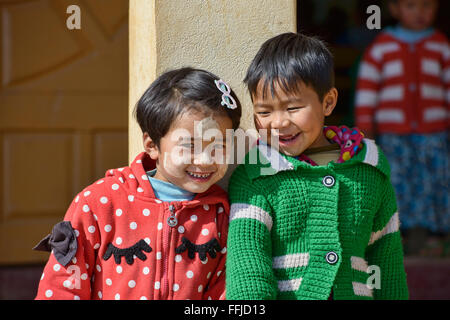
point(72, 281)
point(385, 251)
point(367, 90)
point(249, 263)
point(216, 286)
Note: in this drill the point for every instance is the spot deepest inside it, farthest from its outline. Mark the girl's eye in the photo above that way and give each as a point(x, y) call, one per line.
point(263, 113)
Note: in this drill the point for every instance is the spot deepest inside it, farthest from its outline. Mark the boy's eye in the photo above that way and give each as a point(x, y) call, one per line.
point(294, 108)
point(188, 145)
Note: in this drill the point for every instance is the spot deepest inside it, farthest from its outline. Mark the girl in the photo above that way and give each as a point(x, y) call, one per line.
point(158, 228)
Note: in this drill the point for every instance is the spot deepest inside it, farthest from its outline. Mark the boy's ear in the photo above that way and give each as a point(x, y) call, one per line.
point(330, 101)
point(150, 147)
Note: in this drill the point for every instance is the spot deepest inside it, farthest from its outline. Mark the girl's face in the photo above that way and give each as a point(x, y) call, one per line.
point(295, 119)
point(193, 153)
point(414, 14)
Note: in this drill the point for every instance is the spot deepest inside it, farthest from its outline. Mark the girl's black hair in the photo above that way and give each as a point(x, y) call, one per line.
point(288, 59)
point(178, 91)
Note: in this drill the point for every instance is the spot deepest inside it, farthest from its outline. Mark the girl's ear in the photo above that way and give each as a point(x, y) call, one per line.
point(150, 147)
point(330, 101)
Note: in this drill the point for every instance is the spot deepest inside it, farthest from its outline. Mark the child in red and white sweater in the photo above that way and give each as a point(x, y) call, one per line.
point(156, 229)
point(402, 98)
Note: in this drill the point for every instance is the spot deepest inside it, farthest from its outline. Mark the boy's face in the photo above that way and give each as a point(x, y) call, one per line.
point(414, 14)
point(192, 155)
point(296, 119)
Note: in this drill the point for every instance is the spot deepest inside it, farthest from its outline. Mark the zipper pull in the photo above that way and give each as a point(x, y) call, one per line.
point(172, 220)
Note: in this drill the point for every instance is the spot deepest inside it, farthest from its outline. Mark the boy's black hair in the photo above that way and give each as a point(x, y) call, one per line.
point(289, 58)
point(178, 91)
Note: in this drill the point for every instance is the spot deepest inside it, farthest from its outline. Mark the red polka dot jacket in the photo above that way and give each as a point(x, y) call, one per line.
point(118, 241)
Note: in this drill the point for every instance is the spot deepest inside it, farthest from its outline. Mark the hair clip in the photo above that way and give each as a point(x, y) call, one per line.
point(227, 99)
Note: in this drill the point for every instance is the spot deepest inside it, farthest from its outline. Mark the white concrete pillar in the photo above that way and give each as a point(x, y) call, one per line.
point(221, 36)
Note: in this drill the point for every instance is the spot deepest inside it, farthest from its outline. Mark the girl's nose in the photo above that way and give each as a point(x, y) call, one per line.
point(204, 158)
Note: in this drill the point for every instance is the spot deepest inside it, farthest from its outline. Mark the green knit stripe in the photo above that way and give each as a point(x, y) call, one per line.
point(249, 261)
point(387, 254)
point(242, 190)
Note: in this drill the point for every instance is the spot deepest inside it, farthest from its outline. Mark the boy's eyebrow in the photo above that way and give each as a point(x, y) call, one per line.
point(282, 102)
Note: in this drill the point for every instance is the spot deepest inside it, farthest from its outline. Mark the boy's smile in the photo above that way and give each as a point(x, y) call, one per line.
point(295, 118)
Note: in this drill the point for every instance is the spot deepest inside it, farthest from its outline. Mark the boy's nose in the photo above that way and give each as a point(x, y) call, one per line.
point(280, 121)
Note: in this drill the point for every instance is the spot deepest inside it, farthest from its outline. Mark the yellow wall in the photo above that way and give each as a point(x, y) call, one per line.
point(221, 36)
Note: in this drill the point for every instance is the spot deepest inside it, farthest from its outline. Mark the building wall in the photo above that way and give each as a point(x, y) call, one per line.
point(217, 35)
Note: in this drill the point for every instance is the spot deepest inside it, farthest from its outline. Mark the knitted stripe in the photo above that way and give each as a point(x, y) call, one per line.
point(361, 289)
point(291, 261)
point(359, 264)
point(248, 211)
point(371, 156)
point(289, 285)
point(393, 225)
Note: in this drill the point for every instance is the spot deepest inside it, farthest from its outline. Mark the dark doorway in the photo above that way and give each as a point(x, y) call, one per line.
point(342, 24)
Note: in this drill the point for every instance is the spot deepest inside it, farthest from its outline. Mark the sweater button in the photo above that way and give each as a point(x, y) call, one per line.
point(331, 257)
point(328, 181)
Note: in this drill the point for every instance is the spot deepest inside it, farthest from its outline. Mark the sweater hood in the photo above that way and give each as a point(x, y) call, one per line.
point(134, 179)
point(270, 161)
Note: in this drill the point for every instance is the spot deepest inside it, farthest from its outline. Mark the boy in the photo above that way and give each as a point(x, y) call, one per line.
point(310, 227)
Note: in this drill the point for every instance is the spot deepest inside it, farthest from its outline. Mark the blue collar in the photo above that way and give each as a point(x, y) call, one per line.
point(166, 191)
point(407, 35)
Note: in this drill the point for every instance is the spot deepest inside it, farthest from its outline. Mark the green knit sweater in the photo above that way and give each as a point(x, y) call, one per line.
point(301, 232)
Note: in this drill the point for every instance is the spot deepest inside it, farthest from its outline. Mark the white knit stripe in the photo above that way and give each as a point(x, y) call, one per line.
point(290, 261)
point(440, 47)
point(371, 156)
point(392, 226)
point(431, 67)
point(359, 264)
point(248, 211)
point(289, 285)
point(361, 289)
point(392, 69)
point(435, 114)
point(429, 91)
point(379, 50)
point(389, 116)
point(277, 161)
point(392, 93)
point(366, 98)
point(369, 72)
